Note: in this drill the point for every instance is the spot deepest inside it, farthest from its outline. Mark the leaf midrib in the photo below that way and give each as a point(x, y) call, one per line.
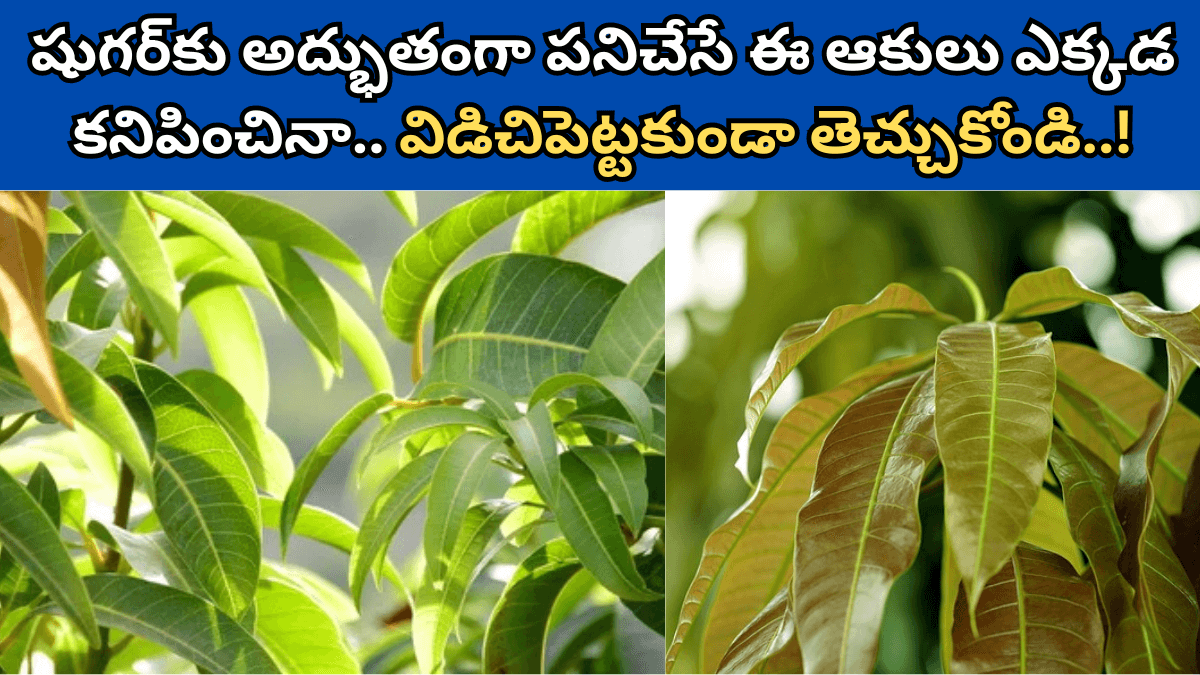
point(991, 456)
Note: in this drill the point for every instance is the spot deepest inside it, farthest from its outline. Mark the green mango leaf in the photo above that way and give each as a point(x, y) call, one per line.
point(798, 341)
point(515, 320)
point(572, 657)
point(300, 635)
point(332, 599)
point(194, 214)
point(64, 265)
point(860, 530)
point(652, 567)
point(362, 341)
point(589, 524)
point(322, 526)
point(268, 459)
point(1035, 616)
point(438, 604)
point(58, 222)
point(304, 298)
point(183, 623)
point(537, 444)
point(28, 533)
point(414, 422)
point(405, 202)
point(425, 256)
point(1114, 414)
point(254, 216)
point(455, 481)
point(496, 400)
point(315, 461)
point(517, 630)
point(747, 560)
point(1049, 529)
point(97, 297)
point(17, 589)
point(230, 332)
point(995, 396)
point(1056, 289)
point(153, 557)
point(549, 225)
point(621, 470)
point(1088, 485)
point(128, 236)
point(770, 633)
point(629, 394)
point(204, 494)
point(632, 339)
point(393, 504)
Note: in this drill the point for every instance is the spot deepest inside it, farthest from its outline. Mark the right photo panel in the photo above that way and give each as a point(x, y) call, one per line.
point(932, 431)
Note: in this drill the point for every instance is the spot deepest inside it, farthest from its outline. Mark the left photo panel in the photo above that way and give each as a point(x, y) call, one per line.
point(332, 432)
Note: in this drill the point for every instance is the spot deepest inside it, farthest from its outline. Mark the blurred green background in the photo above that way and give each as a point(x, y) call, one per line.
point(742, 267)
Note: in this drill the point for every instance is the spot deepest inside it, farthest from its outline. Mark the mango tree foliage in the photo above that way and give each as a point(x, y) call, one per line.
point(1061, 472)
point(531, 440)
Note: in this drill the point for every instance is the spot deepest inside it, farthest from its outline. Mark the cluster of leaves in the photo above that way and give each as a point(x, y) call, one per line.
point(1071, 490)
point(545, 378)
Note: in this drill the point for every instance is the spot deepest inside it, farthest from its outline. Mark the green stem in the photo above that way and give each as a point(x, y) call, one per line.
point(972, 290)
point(12, 429)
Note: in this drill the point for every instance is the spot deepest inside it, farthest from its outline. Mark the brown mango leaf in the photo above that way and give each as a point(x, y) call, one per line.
point(769, 635)
point(860, 529)
point(1187, 532)
point(1056, 289)
point(995, 394)
point(896, 300)
point(1113, 413)
point(1036, 615)
point(23, 292)
point(751, 554)
point(1088, 485)
point(1134, 494)
point(951, 582)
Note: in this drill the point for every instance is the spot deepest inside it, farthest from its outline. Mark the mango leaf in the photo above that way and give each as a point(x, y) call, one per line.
point(203, 493)
point(632, 339)
point(230, 332)
point(31, 537)
point(23, 296)
point(621, 471)
point(300, 635)
point(254, 216)
point(995, 394)
point(751, 554)
point(322, 526)
point(362, 341)
point(98, 296)
point(1134, 494)
point(499, 403)
point(951, 582)
point(58, 222)
point(860, 528)
point(17, 589)
point(517, 630)
point(413, 422)
point(1050, 530)
point(128, 236)
point(152, 556)
point(514, 320)
point(770, 633)
point(652, 566)
point(82, 251)
point(268, 459)
point(303, 296)
point(438, 604)
point(629, 394)
point(426, 255)
point(586, 519)
point(405, 202)
point(1056, 289)
point(537, 446)
point(549, 225)
point(1088, 485)
point(194, 214)
point(455, 481)
point(380, 522)
point(183, 623)
point(319, 457)
point(798, 341)
point(1124, 398)
point(1035, 616)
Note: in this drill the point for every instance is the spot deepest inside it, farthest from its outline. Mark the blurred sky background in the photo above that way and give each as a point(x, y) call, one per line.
point(301, 412)
point(742, 267)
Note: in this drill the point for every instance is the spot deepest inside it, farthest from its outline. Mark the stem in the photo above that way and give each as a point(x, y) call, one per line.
point(973, 290)
point(12, 429)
